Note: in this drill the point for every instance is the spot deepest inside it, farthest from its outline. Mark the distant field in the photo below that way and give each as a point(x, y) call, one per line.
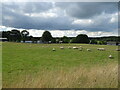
point(37, 66)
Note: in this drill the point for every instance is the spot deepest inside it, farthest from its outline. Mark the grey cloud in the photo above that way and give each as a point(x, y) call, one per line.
point(22, 21)
point(28, 7)
point(85, 10)
point(79, 10)
point(36, 7)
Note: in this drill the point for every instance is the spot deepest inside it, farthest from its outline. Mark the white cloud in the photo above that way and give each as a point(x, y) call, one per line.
point(43, 14)
point(114, 18)
point(83, 21)
point(48, 14)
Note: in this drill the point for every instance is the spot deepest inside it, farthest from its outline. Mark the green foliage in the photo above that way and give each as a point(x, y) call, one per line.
point(53, 40)
point(93, 41)
point(81, 38)
point(24, 34)
point(65, 39)
point(46, 37)
point(13, 35)
point(102, 42)
point(73, 40)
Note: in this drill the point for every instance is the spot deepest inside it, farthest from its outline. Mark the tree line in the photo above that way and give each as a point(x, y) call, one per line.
point(17, 36)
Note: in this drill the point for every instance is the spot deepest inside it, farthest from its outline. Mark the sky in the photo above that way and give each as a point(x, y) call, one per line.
point(95, 19)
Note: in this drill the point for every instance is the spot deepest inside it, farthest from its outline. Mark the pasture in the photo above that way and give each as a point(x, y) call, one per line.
point(26, 65)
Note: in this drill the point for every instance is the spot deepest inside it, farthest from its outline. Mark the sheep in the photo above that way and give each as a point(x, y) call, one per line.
point(75, 47)
point(110, 56)
point(101, 49)
point(53, 49)
point(117, 49)
point(61, 47)
point(88, 49)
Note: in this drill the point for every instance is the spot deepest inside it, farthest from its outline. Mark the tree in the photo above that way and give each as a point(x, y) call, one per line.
point(73, 40)
point(53, 40)
point(13, 35)
point(46, 37)
point(24, 34)
point(101, 42)
point(9, 37)
point(82, 38)
point(16, 36)
point(93, 41)
point(4, 34)
point(65, 39)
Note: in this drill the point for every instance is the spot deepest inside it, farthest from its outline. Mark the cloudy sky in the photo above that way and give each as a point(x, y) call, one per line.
point(61, 18)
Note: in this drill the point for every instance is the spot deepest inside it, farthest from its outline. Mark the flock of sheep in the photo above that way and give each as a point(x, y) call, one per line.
point(81, 48)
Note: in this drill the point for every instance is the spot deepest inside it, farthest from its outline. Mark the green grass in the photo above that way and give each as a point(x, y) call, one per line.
point(26, 61)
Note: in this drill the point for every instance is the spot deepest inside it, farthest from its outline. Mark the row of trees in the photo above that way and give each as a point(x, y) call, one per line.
point(81, 38)
point(17, 36)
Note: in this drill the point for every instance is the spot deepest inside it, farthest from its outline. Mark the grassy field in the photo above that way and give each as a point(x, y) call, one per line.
point(37, 66)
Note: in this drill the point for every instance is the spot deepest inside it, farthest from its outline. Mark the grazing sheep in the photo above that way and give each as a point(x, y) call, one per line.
point(117, 49)
point(75, 47)
point(61, 47)
point(53, 49)
point(101, 49)
point(110, 56)
point(88, 49)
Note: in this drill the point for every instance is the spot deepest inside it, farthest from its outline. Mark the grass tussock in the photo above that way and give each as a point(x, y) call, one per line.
point(80, 77)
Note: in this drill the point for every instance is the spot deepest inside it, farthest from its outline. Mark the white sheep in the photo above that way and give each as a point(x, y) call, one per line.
point(61, 47)
point(110, 56)
point(117, 49)
point(53, 49)
point(88, 49)
point(75, 47)
point(101, 49)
